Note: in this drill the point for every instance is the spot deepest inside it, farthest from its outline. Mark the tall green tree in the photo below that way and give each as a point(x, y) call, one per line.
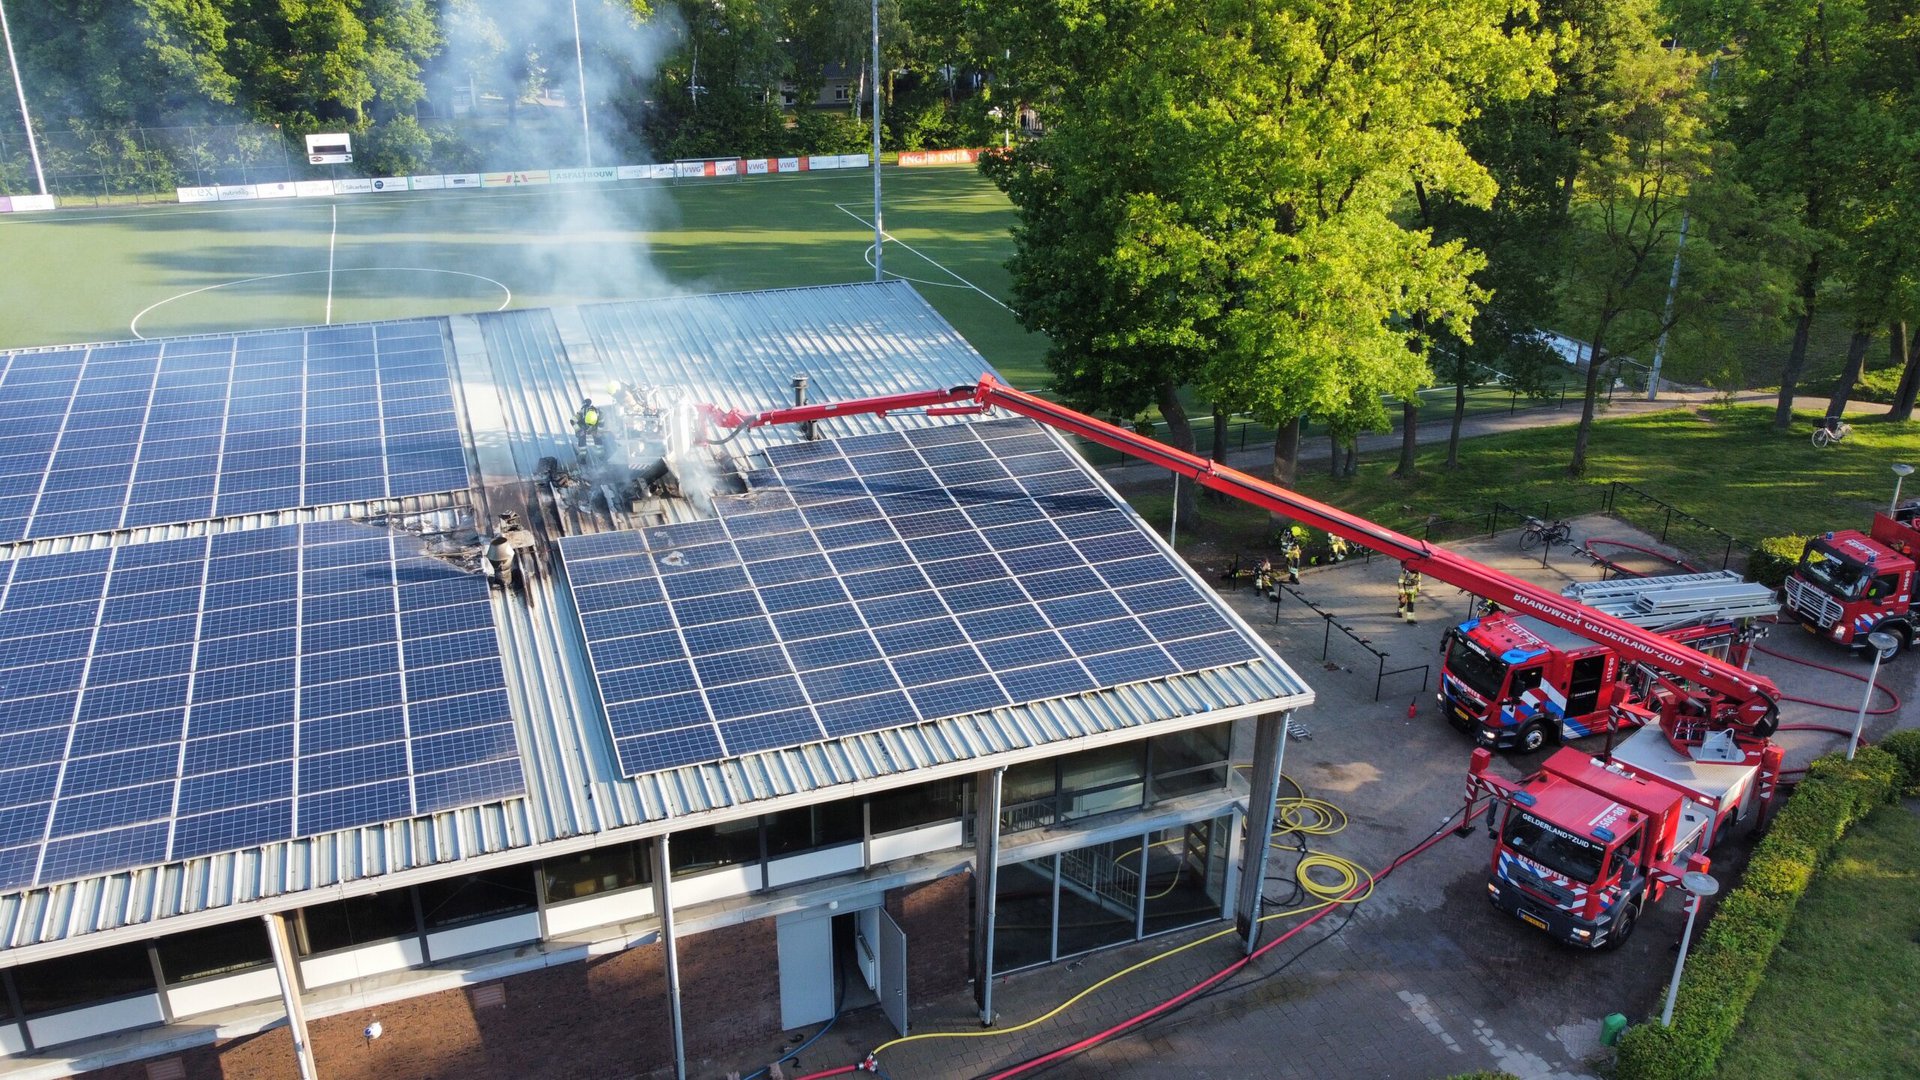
point(1216, 201)
point(1649, 149)
point(1796, 117)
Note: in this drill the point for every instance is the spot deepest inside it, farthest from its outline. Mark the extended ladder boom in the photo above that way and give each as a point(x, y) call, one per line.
point(1753, 699)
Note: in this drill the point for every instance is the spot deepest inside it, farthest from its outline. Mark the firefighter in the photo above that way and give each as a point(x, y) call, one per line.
point(1263, 576)
point(1409, 592)
point(1292, 542)
point(586, 423)
point(1337, 548)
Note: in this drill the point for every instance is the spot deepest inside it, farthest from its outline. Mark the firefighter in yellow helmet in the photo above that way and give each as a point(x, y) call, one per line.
point(1409, 592)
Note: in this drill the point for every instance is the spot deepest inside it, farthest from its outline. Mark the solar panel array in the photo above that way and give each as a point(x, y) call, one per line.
point(154, 433)
point(184, 697)
point(877, 581)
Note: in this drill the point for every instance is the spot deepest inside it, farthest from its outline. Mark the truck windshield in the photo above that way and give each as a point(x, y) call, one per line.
point(1471, 665)
point(1833, 571)
point(1554, 848)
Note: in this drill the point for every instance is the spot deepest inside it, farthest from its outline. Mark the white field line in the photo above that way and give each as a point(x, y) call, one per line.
point(927, 258)
point(332, 236)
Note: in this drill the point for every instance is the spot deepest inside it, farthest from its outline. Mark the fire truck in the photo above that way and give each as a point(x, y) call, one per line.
point(1584, 844)
point(1519, 681)
point(1850, 584)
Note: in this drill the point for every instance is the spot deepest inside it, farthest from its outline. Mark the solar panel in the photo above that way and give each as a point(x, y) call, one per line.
point(925, 574)
point(185, 697)
point(154, 433)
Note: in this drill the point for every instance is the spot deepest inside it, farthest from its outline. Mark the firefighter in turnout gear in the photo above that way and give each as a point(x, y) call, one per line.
point(1409, 592)
point(1292, 540)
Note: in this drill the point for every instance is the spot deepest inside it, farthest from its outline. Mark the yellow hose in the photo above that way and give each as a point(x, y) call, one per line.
point(1297, 814)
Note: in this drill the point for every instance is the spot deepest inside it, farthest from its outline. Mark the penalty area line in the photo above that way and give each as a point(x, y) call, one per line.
point(928, 259)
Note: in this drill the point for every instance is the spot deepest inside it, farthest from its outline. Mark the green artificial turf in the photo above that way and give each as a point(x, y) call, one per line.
point(88, 275)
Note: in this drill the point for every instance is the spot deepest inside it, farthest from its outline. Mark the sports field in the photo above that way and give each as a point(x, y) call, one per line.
point(113, 274)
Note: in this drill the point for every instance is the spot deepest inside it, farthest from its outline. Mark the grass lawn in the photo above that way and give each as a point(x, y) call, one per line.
point(112, 273)
point(1842, 995)
point(1725, 465)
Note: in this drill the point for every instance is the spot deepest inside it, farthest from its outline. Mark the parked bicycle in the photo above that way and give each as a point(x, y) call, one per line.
point(1537, 532)
point(1831, 430)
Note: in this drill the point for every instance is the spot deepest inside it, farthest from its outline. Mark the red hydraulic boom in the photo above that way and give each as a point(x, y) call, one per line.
point(1748, 702)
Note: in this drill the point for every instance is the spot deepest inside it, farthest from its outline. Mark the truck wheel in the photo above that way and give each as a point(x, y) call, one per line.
point(1903, 634)
point(1623, 927)
point(1532, 737)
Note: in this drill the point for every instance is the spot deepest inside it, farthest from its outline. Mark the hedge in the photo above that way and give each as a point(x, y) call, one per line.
point(1774, 558)
point(1731, 959)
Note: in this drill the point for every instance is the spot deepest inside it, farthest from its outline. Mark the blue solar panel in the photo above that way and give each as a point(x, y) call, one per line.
point(940, 572)
point(176, 698)
point(109, 437)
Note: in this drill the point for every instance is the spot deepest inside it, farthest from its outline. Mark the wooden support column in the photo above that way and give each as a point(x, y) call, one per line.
point(1269, 754)
point(986, 882)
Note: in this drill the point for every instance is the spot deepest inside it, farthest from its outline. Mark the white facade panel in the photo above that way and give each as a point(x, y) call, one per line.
point(206, 995)
point(900, 845)
point(617, 907)
point(813, 864)
point(338, 967)
point(94, 1020)
point(484, 936)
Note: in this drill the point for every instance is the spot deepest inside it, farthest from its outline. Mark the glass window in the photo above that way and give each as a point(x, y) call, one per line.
point(1099, 895)
point(1023, 915)
point(1186, 874)
point(818, 826)
point(216, 950)
point(490, 894)
point(1098, 781)
point(1187, 762)
point(68, 982)
point(736, 843)
point(360, 920)
point(1029, 796)
point(917, 805)
point(601, 870)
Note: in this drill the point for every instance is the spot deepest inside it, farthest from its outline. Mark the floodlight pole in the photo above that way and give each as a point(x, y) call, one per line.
point(580, 68)
point(879, 235)
point(33, 148)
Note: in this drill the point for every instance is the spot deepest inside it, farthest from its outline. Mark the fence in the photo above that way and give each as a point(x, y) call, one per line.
point(1332, 621)
point(1244, 433)
point(1676, 526)
point(87, 164)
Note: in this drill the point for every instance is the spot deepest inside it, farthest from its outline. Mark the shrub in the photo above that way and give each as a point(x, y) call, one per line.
point(1905, 747)
point(1774, 558)
point(1731, 960)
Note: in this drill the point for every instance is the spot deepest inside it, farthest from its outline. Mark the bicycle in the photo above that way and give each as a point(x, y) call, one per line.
point(1831, 430)
point(1537, 532)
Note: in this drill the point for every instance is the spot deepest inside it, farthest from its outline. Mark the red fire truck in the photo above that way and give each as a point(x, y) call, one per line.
point(1850, 584)
point(1518, 681)
point(1595, 840)
point(1584, 844)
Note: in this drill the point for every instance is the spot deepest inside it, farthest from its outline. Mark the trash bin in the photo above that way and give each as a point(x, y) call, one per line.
point(1612, 1028)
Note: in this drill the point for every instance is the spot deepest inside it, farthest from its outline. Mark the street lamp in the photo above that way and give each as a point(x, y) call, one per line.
point(1901, 470)
point(20, 91)
point(1883, 645)
point(1699, 886)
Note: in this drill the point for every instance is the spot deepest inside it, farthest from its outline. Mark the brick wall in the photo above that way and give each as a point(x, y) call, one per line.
point(604, 1017)
point(938, 919)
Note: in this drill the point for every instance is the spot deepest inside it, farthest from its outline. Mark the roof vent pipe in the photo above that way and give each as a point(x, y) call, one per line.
point(799, 399)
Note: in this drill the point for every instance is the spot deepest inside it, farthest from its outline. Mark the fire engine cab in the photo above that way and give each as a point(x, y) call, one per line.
point(1850, 584)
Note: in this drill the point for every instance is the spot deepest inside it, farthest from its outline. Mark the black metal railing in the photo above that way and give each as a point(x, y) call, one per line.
point(1332, 621)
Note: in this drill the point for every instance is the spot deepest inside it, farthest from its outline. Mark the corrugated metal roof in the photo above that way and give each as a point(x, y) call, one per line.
point(523, 373)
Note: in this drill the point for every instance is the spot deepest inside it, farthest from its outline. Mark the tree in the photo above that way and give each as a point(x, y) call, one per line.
point(1646, 152)
point(1212, 204)
point(1793, 89)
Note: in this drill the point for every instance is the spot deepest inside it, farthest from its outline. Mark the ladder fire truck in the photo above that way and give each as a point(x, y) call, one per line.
point(1583, 844)
point(1850, 584)
point(1519, 681)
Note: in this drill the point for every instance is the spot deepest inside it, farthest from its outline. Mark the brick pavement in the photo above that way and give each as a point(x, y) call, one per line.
point(1426, 980)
